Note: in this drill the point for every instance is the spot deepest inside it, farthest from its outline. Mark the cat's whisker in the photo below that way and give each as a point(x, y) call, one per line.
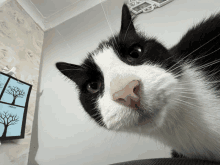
point(178, 74)
point(184, 83)
point(188, 97)
point(159, 63)
point(169, 58)
point(183, 88)
point(186, 103)
point(208, 64)
point(108, 23)
point(213, 82)
point(172, 68)
point(196, 49)
point(177, 63)
point(193, 61)
point(113, 45)
point(190, 93)
point(185, 91)
point(212, 75)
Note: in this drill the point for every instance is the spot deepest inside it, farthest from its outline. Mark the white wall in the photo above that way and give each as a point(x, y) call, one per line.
point(47, 16)
point(66, 134)
point(2, 2)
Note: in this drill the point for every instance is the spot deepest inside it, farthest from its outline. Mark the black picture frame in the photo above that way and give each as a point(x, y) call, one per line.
point(5, 90)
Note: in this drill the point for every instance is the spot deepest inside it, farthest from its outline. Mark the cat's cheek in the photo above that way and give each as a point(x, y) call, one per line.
point(167, 98)
point(159, 100)
point(108, 111)
point(167, 93)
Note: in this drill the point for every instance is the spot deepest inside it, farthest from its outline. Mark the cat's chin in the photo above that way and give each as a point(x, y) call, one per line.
point(142, 120)
point(146, 128)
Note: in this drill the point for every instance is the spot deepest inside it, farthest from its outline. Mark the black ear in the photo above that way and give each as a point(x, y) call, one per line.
point(126, 21)
point(73, 72)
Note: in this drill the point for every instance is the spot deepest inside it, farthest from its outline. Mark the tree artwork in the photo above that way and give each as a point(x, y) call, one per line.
point(1, 85)
point(7, 119)
point(15, 92)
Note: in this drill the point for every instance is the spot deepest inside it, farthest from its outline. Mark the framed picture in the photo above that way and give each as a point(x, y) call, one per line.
point(160, 3)
point(134, 2)
point(14, 97)
point(142, 7)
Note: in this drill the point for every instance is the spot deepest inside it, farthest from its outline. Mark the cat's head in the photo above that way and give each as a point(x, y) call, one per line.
point(128, 81)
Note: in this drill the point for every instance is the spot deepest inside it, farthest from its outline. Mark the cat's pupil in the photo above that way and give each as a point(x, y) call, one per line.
point(94, 85)
point(135, 53)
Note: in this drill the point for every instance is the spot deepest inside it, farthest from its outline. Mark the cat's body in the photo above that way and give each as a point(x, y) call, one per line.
point(132, 83)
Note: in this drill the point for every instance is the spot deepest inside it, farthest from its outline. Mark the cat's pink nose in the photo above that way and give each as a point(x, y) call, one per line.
point(128, 96)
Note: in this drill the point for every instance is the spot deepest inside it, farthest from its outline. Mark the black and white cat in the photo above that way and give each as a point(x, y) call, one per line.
point(132, 83)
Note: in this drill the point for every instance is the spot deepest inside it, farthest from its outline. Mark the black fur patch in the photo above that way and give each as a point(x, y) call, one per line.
point(82, 76)
point(202, 42)
point(93, 74)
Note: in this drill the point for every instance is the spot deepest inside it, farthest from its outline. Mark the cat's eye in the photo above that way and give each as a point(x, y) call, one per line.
point(94, 87)
point(134, 54)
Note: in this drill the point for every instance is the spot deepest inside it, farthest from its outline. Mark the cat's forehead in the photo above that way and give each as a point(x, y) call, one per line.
point(107, 58)
point(115, 53)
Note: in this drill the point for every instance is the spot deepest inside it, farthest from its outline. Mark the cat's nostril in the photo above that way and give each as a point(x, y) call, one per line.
point(120, 100)
point(128, 96)
point(136, 89)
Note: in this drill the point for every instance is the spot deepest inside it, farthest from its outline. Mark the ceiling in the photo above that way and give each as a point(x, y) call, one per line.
point(50, 13)
point(50, 7)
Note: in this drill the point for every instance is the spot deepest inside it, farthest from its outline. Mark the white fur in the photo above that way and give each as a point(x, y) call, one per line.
point(188, 118)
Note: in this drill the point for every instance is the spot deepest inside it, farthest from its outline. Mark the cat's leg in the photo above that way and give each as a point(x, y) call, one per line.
point(175, 154)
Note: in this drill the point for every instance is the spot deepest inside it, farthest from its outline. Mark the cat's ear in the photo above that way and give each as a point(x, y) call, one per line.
point(73, 72)
point(126, 21)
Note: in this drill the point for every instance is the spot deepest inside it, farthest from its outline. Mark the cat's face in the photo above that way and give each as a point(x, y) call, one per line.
point(126, 77)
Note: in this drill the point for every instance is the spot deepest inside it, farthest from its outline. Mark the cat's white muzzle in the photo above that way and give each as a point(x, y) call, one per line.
point(154, 94)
